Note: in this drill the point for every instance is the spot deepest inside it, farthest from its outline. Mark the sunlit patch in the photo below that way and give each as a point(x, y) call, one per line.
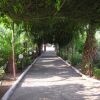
point(44, 98)
point(47, 60)
point(46, 65)
point(55, 80)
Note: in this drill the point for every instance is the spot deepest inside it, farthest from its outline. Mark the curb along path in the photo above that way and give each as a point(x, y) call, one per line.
point(51, 79)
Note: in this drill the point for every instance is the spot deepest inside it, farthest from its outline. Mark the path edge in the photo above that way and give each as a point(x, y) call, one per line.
point(78, 72)
point(15, 84)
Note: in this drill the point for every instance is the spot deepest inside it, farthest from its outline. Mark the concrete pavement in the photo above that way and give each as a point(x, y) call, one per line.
point(51, 79)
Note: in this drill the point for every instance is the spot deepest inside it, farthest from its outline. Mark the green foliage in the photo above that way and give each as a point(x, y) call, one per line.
point(18, 8)
point(73, 51)
point(5, 45)
point(97, 59)
point(6, 21)
point(76, 59)
point(58, 4)
point(22, 42)
point(62, 54)
point(1, 71)
point(22, 64)
point(54, 21)
point(27, 61)
point(97, 73)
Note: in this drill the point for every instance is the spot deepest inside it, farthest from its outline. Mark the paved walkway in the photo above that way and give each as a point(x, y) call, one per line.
point(51, 79)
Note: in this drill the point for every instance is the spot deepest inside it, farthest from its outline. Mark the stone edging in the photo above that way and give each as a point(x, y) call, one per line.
point(77, 71)
point(13, 87)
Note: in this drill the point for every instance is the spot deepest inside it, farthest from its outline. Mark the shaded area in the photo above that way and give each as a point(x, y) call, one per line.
point(51, 79)
point(7, 83)
point(50, 93)
point(3, 90)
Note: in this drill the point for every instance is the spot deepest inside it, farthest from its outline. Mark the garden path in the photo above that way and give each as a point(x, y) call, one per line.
point(51, 79)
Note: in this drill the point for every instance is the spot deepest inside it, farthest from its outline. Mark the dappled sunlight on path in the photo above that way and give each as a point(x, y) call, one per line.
point(51, 79)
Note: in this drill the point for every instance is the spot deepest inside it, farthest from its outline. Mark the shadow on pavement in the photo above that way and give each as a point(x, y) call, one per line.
point(51, 79)
point(62, 92)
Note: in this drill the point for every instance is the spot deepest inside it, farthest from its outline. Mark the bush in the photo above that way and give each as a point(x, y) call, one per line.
point(96, 61)
point(97, 73)
point(76, 59)
point(19, 65)
point(97, 65)
point(27, 61)
point(62, 54)
point(24, 63)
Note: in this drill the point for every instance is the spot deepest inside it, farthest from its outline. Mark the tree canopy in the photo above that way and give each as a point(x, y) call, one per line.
point(56, 21)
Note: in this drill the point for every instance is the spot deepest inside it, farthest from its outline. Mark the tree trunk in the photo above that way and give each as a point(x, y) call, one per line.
point(44, 47)
point(67, 53)
point(89, 51)
point(10, 64)
point(39, 49)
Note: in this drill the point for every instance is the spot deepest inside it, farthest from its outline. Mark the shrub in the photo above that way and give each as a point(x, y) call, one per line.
point(96, 61)
point(97, 73)
point(27, 61)
point(22, 64)
point(76, 59)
